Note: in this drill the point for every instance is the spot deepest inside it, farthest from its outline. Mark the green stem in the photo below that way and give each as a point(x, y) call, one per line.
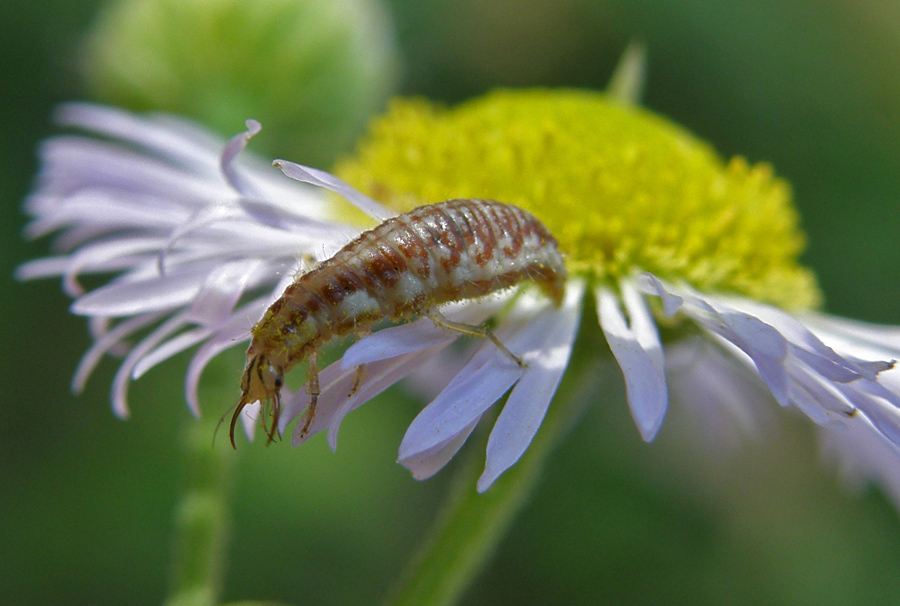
point(471, 525)
point(201, 519)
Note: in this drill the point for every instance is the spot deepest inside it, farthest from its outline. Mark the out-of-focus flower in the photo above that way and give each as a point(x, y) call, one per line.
point(673, 245)
point(313, 72)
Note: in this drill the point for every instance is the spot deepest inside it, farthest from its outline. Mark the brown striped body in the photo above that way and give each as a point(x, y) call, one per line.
point(434, 254)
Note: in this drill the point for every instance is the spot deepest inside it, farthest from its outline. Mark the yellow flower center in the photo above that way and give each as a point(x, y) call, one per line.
point(622, 189)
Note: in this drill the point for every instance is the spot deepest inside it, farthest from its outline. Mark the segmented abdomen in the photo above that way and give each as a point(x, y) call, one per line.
point(432, 255)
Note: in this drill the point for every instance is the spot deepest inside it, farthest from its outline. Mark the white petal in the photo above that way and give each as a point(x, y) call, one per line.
point(230, 334)
point(168, 136)
point(554, 331)
point(641, 322)
point(394, 341)
point(124, 374)
point(109, 339)
point(388, 355)
point(822, 392)
point(878, 404)
point(338, 398)
point(827, 386)
point(467, 396)
point(127, 298)
point(221, 290)
point(487, 376)
point(860, 338)
point(857, 382)
point(764, 345)
point(321, 178)
point(166, 204)
point(108, 256)
point(76, 163)
point(335, 386)
point(398, 340)
point(425, 464)
point(280, 221)
point(97, 213)
point(42, 268)
point(639, 354)
point(249, 415)
point(807, 401)
point(234, 147)
point(170, 348)
point(807, 344)
point(651, 285)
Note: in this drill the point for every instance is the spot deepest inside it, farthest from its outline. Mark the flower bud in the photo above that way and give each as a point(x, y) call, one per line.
point(311, 71)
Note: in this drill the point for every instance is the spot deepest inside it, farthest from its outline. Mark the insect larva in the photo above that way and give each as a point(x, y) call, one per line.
point(404, 267)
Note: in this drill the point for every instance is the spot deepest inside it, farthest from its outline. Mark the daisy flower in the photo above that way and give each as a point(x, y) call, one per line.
point(670, 244)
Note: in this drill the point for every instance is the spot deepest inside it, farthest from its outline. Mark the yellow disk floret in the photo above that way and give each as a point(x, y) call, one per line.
point(622, 189)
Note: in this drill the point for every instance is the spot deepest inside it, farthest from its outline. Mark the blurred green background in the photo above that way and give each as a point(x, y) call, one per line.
point(811, 85)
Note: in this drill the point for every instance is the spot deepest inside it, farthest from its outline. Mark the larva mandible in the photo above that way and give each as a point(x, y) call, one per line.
point(434, 254)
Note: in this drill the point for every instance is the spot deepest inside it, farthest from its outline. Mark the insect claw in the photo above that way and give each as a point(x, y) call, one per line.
point(234, 419)
point(261, 383)
point(276, 414)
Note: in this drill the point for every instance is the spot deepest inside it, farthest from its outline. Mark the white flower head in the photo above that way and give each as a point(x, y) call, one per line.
point(200, 246)
point(661, 234)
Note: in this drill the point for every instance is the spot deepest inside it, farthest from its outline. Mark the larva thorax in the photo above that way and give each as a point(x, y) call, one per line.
point(432, 255)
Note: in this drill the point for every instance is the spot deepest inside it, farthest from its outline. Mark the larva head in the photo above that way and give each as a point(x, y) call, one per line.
point(262, 383)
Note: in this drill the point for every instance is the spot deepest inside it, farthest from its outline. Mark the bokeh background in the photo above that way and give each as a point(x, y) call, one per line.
point(812, 86)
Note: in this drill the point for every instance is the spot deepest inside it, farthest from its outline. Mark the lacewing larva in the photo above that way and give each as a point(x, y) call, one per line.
point(405, 267)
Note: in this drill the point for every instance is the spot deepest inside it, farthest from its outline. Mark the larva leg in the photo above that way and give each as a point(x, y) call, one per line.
point(357, 380)
point(361, 369)
point(276, 413)
point(230, 411)
point(312, 385)
point(474, 331)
